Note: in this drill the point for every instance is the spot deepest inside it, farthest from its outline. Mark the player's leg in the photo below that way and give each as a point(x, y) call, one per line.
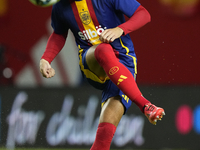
point(110, 116)
point(112, 111)
point(102, 61)
point(93, 64)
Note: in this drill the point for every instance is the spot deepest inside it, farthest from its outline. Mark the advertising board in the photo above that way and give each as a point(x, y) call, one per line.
point(68, 118)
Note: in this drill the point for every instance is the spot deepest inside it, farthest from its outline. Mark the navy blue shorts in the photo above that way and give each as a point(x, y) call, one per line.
point(109, 89)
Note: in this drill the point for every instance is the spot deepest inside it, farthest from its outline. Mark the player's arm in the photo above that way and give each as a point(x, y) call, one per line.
point(54, 46)
point(136, 21)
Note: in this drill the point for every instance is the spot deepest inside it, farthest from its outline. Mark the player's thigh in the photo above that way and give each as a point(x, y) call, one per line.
point(93, 64)
point(112, 111)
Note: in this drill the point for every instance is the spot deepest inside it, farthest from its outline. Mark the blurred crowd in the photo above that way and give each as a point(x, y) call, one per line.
point(183, 8)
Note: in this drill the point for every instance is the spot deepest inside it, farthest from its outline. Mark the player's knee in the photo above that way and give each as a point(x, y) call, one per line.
point(103, 52)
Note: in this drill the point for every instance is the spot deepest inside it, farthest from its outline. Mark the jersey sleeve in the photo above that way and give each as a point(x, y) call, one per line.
point(127, 7)
point(136, 21)
point(57, 23)
point(54, 46)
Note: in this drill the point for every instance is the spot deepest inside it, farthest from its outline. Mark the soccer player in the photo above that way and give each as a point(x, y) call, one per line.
point(106, 54)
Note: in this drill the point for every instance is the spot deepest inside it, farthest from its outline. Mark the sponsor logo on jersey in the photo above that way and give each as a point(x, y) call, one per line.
point(90, 35)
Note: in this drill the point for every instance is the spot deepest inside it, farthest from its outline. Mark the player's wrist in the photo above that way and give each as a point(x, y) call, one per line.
point(44, 59)
point(122, 30)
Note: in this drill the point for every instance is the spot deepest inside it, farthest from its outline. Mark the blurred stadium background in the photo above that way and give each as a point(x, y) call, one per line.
point(62, 112)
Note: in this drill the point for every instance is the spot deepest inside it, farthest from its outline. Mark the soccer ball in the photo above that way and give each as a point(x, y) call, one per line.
point(43, 3)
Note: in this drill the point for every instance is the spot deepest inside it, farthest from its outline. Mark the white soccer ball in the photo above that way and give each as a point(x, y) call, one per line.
point(43, 3)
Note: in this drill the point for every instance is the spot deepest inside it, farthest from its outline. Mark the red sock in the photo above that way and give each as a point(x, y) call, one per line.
point(119, 74)
point(104, 135)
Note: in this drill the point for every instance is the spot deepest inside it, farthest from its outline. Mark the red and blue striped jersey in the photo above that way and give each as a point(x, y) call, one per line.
point(87, 19)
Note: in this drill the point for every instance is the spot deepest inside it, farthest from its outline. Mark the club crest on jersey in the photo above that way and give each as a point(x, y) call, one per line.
point(85, 17)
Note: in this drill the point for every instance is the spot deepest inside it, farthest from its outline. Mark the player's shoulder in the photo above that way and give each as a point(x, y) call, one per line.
point(59, 6)
point(62, 3)
point(119, 1)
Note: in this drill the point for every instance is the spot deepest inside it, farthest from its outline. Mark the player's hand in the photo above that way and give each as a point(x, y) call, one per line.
point(45, 69)
point(109, 35)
